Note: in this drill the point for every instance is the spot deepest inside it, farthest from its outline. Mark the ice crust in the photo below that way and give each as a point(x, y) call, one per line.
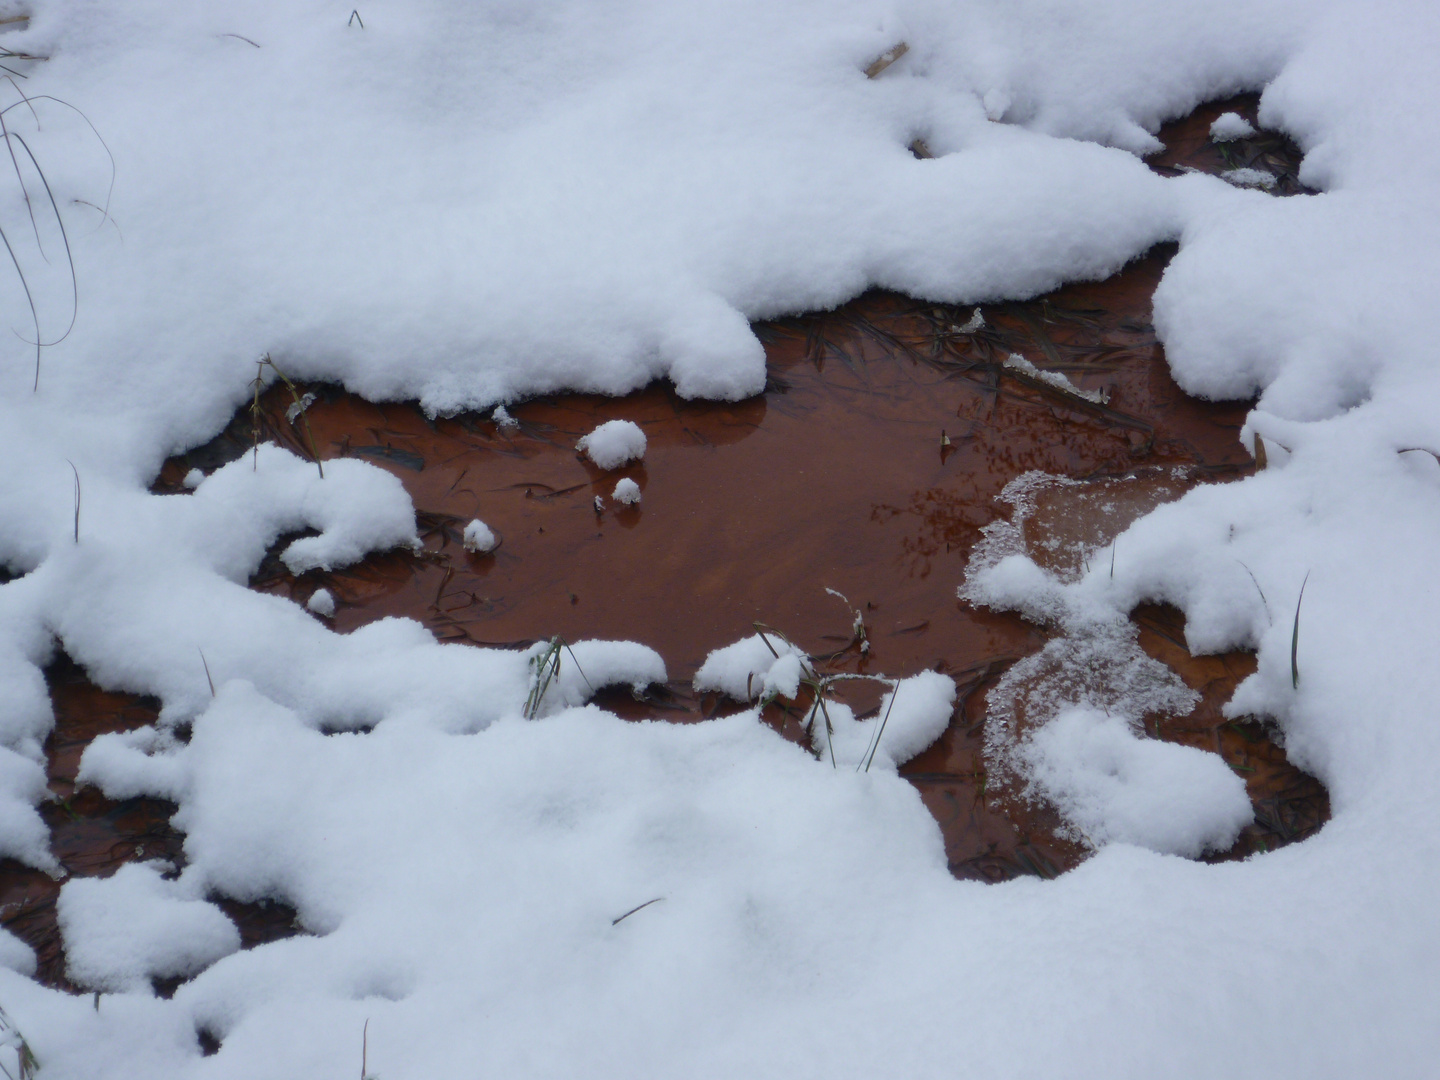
point(469, 203)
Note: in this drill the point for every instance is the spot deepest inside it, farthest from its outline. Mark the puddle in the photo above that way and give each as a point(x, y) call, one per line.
point(868, 466)
point(94, 836)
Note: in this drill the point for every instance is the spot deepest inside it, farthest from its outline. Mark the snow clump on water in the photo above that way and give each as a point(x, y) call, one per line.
point(1112, 786)
point(613, 443)
point(627, 492)
point(478, 538)
point(322, 603)
point(1231, 126)
point(610, 198)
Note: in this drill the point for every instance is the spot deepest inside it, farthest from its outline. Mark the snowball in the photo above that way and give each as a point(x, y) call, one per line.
point(123, 930)
point(1231, 126)
point(193, 479)
point(1110, 785)
point(479, 538)
point(321, 602)
point(613, 443)
point(627, 491)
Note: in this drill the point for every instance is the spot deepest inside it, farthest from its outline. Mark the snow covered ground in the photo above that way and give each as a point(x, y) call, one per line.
point(468, 202)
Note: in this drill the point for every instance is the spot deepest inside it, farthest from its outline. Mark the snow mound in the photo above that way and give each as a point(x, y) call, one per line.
point(124, 930)
point(613, 443)
point(627, 492)
point(1230, 126)
point(741, 670)
point(322, 603)
point(1113, 786)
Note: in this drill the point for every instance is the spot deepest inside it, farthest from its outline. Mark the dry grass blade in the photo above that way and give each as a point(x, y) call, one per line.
point(25, 1061)
point(885, 59)
point(638, 907)
point(880, 730)
point(298, 409)
point(1295, 638)
point(77, 497)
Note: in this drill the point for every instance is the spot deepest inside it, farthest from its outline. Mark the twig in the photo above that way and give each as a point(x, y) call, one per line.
point(633, 910)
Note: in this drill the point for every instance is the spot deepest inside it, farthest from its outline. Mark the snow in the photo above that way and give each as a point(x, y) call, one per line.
point(1056, 379)
point(124, 930)
point(627, 492)
point(1231, 126)
point(479, 538)
point(322, 603)
point(469, 204)
point(613, 443)
point(740, 670)
point(1257, 178)
point(1114, 787)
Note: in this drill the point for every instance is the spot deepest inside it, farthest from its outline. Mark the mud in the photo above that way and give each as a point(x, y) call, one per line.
point(868, 466)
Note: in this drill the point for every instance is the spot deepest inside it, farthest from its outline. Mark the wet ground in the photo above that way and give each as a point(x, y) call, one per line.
point(868, 466)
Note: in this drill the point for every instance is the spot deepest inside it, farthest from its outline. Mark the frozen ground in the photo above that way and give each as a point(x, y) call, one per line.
point(468, 202)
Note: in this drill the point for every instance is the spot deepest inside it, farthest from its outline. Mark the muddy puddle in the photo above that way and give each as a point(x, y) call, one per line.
point(868, 466)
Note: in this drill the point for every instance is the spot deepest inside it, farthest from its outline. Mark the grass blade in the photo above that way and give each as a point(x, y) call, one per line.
point(1295, 638)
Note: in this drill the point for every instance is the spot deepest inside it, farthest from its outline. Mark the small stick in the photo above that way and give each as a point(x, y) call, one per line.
point(633, 910)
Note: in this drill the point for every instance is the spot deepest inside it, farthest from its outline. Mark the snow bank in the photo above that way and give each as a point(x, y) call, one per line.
point(613, 443)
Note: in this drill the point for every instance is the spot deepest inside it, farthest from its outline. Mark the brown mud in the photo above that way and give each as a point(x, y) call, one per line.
point(868, 466)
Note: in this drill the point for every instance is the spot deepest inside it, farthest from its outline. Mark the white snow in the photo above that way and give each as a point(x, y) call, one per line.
point(1230, 126)
point(322, 603)
point(741, 670)
point(1113, 786)
point(121, 931)
point(613, 443)
point(471, 203)
point(1256, 178)
point(1058, 379)
point(627, 491)
point(478, 538)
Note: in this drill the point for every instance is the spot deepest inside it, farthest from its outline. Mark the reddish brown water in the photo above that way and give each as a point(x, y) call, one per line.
point(868, 466)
